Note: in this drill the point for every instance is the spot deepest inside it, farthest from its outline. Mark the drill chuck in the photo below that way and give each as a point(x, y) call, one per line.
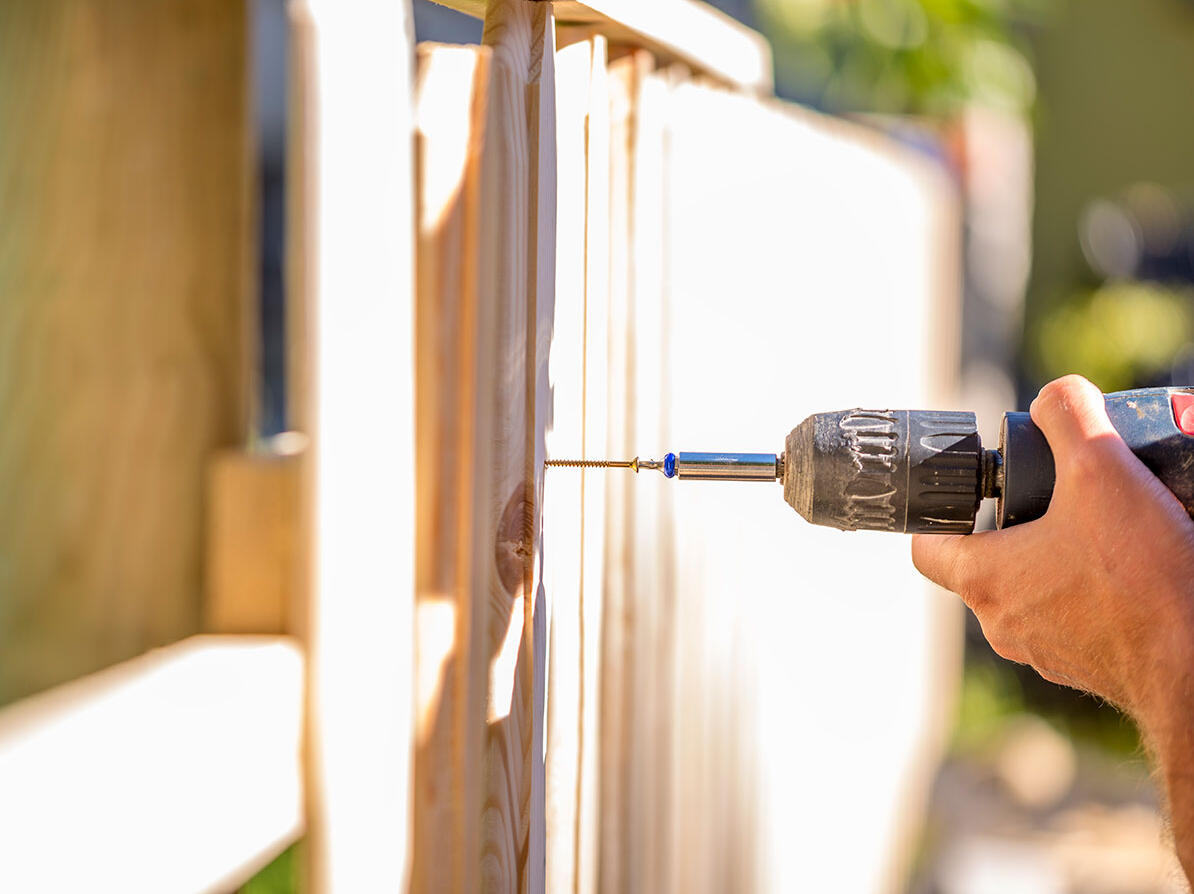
point(886, 470)
point(925, 471)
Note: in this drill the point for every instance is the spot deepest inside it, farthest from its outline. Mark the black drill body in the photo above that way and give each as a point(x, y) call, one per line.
point(925, 471)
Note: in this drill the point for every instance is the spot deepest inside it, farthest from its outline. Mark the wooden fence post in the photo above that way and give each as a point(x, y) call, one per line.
point(125, 273)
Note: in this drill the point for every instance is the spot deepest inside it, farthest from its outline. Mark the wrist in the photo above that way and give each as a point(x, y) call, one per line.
point(1165, 714)
point(1172, 756)
point(1163, 700)
point(1169, 733)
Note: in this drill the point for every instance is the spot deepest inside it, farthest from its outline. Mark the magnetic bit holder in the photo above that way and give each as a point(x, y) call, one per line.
point(694, 466)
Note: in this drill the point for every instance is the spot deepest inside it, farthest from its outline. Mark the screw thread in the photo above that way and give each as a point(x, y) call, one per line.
point(586, 463)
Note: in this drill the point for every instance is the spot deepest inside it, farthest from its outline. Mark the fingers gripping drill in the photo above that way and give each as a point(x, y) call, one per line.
point(925, 471)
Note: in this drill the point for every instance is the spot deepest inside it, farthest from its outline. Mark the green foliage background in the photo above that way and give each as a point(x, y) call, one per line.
point(923, 57)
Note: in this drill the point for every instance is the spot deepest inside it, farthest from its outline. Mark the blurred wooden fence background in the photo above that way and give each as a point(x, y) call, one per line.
point(594, 234)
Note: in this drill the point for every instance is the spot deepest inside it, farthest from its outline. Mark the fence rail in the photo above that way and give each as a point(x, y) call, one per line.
point(179, 770)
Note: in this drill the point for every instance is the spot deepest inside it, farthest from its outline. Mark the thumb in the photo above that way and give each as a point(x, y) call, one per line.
point(939, 557)
point(967, 563)
point(1070, 411)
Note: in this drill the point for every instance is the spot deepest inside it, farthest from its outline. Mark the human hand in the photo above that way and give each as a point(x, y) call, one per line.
point(1098, 593)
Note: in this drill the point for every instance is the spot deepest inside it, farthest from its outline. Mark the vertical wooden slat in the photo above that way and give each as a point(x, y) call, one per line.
point(563, 506)
point(651, 630)
point(517, 256)
point(616, 802)
point(539, 321)
point(637, 672)
point(125, 262)
point(574, 507)
point(596, 372)
point(486, 284)
point(356, 161)
point(453, 107)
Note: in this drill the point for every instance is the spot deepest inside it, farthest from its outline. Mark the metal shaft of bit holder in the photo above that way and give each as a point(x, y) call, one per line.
point(693, 466)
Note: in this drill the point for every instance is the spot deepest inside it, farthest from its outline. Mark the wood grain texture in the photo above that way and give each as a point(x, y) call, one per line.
point(484, 321)
point(125, 261)
point(544, 178)
point(452, 681)
point(357, 161)
point(516, 268)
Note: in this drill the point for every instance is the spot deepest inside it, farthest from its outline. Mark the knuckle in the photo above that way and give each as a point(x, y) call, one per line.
point(1066, 394)
point(1072, 386)
point(1054, 394)
point(1049, 405)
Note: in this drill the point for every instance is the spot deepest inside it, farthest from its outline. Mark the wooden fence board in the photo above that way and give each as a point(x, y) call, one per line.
point(124, 324)
point(355, 154)
point(651, 629)
point(487, 190)
point(516, 267)
point(615, 684)
point(453, 96)
point(563, 505)
point(574, 502)
point(593, 495)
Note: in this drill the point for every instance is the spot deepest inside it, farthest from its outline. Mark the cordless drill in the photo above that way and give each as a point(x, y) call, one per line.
point(925, 471)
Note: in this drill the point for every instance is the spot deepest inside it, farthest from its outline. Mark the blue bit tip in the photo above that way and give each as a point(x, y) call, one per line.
point(669, 465)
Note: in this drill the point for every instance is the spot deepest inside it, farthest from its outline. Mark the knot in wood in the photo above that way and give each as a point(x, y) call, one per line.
point(513, 544)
